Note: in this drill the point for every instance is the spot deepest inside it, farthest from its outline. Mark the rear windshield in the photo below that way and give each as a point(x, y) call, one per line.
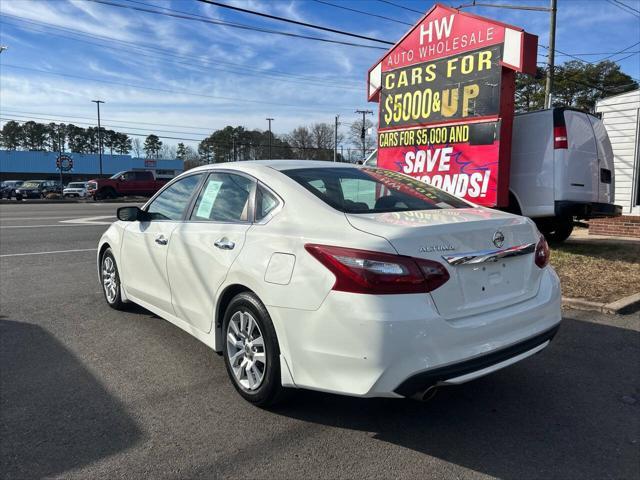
point(372, 190)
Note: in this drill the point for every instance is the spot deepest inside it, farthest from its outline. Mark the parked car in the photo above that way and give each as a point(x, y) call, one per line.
point(75, 189)
point(8, 188)
point(138, 183)
point(37, 189)
point(358, 281)
point(561, 170)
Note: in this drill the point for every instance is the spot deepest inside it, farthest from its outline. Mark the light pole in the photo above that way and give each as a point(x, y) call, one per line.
point(3, 48)
point(270, 120)
point(98, 102)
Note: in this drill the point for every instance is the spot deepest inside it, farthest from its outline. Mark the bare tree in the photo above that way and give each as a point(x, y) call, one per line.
point(301, 140)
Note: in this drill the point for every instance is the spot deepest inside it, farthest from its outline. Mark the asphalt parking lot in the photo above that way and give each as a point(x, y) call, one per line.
point(88, 392)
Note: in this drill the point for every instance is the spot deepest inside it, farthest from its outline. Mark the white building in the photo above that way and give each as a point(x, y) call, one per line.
point(621, 117)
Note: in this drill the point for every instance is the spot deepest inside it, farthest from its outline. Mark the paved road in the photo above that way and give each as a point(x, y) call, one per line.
point(87, 392)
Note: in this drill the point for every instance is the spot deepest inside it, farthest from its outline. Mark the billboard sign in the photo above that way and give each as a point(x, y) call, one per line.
point(446, 100)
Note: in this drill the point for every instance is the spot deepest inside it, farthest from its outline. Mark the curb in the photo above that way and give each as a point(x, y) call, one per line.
point(620, 306)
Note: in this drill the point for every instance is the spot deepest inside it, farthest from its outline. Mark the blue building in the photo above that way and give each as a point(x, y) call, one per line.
point(25, 165)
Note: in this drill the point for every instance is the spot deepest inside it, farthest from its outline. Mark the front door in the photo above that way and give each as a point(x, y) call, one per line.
point(204, 247)
point(145, 244)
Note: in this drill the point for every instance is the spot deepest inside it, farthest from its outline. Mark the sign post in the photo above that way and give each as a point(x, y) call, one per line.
point(446, 94)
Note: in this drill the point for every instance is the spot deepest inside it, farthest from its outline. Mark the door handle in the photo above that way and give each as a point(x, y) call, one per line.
point(224, 244)
point(161, 240)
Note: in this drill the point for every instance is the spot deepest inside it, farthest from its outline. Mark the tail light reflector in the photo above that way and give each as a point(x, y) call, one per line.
point(363, 271)
point(560, 137)
point(542, 252)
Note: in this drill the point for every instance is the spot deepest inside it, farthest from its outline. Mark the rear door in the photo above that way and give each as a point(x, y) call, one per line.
point(605, 161)
point(578, 172)
point(204, 247)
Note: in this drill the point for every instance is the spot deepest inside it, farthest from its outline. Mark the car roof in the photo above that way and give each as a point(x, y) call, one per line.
point(280, 165)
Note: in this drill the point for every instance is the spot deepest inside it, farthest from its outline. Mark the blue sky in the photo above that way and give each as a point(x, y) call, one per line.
point(201, 77)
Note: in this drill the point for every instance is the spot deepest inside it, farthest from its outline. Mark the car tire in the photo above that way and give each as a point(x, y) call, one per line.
point(110, 280)
point(253, 365)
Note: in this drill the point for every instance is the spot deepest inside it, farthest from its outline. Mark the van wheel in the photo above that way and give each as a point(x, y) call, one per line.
point(557, 229)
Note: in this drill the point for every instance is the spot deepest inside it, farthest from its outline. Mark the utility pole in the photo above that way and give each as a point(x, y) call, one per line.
point(98, 102)
point(551, 57)
point(335, 140)
point(270, 120)
point(362, 133)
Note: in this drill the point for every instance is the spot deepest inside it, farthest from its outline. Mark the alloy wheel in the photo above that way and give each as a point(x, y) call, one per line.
point(109, 279)
point(246, 350)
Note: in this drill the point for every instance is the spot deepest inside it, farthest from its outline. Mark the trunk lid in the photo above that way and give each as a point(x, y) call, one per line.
point(473, 287)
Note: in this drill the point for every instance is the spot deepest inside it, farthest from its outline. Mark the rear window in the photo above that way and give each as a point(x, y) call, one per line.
point(372, 190)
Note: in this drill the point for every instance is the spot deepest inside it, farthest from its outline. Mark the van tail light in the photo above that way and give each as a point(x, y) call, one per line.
point(542, 252)
point(560, 137)
point(363, 271)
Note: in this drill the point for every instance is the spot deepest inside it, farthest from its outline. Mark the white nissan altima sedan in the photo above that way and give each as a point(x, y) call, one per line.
point(345, 279)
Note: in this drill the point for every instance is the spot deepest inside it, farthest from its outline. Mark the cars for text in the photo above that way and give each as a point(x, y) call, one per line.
point(344, 279)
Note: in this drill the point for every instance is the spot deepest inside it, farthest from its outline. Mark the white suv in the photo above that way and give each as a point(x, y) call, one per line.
point(75, 189)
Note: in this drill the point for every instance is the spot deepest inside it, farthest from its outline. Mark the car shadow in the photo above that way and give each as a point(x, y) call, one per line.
point(569, 412)
point(54, 414)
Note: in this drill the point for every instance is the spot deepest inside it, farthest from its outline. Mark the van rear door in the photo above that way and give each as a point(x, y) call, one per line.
point(605, 161)
point(577, 169)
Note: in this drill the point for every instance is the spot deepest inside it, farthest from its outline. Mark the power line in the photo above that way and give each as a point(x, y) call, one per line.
point(188, 60)
point(295, 22)
point(625, 8)
point(165, 90)
point(106, 125)
point(197, 140)
point(362, 12)
point(234, 25)
point(402, 6)
point(13, 112)
point(126, 133)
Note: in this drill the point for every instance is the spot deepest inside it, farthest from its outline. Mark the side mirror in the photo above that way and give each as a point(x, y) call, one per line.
point(121, 178)
point(132, 214)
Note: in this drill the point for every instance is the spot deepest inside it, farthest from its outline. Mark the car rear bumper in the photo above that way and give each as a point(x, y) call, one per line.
point(586, 210)
point(399, 345)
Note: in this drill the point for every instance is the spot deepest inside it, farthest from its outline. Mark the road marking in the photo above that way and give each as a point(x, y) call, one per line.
point(90, 220)
point(49, 253)
point(6, 227)
point(44, 217)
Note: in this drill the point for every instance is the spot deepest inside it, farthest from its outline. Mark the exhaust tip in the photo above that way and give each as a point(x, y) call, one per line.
point(426, 395)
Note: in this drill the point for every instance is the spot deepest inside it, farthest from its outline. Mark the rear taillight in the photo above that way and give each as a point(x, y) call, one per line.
point(362, 271)
point(560, 137)
point(542, 252)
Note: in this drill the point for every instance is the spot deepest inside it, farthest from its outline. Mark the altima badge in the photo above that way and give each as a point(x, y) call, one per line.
point(436, 248)
point(498, 239)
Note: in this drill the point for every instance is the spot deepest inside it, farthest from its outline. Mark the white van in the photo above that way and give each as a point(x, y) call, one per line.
point(561, 170)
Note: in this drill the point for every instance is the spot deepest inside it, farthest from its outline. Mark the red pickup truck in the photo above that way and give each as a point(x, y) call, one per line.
point(138, 183)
